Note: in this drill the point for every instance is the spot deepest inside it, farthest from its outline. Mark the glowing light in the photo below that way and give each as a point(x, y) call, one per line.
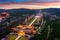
point(21, 33)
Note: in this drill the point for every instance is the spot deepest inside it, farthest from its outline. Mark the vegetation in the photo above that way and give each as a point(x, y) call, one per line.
point(12, 37)
point(31, 20)
point(54, 24)
point(22, 38)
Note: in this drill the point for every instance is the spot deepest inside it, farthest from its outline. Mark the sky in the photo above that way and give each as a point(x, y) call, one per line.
point(30, 4)
point(9, 1)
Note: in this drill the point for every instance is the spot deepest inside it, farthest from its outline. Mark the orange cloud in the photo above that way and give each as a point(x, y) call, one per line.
point(30, 5)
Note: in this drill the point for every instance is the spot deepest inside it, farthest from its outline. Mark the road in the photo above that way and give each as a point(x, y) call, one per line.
point(36, 17)
point(33, 21)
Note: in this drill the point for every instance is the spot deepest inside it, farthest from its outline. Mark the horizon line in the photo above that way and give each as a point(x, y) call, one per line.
point(30, 5)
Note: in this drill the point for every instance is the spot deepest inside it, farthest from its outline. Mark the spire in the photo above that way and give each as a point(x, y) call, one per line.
point(40, 11)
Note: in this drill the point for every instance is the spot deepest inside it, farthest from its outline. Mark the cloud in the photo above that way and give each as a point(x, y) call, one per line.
point(6, 1)
point(57, 0)
point(30, 5)
point(42, 0)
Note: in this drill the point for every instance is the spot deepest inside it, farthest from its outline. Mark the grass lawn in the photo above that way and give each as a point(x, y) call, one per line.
point(22, 38)
point(31, 20)
point(12, 37)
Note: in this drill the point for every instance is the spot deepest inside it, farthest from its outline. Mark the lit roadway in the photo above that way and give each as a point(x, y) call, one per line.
point(36, 17)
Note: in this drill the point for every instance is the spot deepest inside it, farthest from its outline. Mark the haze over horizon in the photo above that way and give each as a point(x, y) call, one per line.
point(30, 4)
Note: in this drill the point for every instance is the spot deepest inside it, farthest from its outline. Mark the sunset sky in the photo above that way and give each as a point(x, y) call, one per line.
point(5, 1)
point(31, 4)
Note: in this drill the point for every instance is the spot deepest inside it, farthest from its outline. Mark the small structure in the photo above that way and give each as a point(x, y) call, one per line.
point(3, 16)
point(26, 29)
